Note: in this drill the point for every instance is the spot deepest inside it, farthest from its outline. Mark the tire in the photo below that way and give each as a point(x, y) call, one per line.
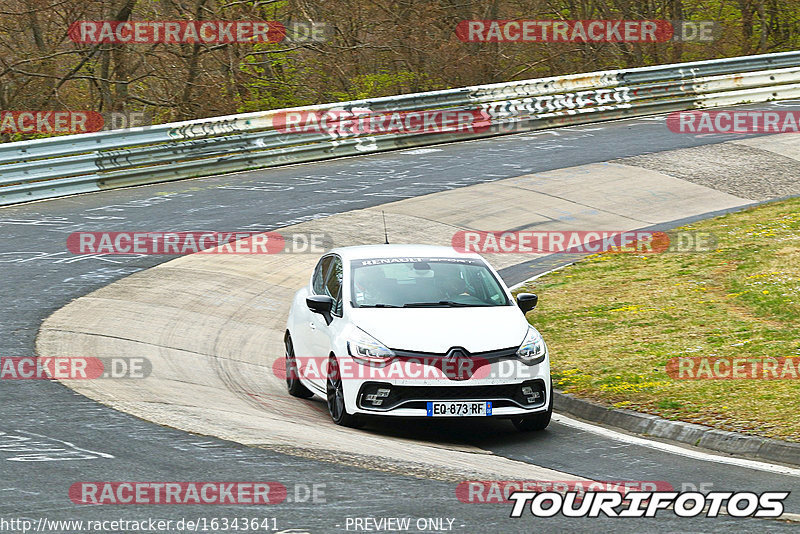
point(335, 397)
point(538, 421)
point(296, 389)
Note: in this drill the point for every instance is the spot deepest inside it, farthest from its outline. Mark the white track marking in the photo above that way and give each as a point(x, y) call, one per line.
point(417, 151)
point(674, 449)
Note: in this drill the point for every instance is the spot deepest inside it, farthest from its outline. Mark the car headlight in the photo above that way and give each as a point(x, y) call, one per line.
point(533, 348)
point(366, 349)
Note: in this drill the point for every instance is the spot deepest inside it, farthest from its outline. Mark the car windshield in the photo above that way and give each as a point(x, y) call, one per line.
point(424, 282)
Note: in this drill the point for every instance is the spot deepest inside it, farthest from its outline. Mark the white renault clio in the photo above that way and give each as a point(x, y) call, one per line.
point(416, 331)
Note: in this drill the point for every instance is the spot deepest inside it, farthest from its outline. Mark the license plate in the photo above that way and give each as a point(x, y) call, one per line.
point(459, 409)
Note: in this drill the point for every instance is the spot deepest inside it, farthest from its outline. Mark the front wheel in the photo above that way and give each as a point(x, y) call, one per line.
point(335, 394)
point(537, 421)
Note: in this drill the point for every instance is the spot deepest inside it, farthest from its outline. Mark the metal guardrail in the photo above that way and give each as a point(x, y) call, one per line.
point(54, 167)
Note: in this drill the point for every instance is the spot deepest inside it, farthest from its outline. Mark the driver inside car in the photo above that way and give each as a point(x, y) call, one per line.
point(369, 285)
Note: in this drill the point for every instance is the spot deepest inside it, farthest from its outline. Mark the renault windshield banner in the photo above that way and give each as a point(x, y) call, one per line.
point(417, 260)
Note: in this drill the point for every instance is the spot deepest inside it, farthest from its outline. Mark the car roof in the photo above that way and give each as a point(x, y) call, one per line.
point(399, 251)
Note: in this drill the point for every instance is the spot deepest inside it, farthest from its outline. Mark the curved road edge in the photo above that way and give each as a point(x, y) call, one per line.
point(705, 437)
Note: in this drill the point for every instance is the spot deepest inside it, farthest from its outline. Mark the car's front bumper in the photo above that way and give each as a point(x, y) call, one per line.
point(512, 387)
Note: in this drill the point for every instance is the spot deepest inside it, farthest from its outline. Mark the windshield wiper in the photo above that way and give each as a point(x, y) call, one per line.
point(379, 306)
point(440, 304)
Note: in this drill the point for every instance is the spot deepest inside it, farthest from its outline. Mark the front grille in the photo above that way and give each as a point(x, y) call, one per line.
point(417, 396)
point(490, 355)
point(457, 363)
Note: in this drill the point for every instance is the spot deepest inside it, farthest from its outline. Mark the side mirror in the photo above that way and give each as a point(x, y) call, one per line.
point(527, 301)
point(321, 304)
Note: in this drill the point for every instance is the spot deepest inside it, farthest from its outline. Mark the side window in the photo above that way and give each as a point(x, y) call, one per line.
point(318, 281)
point(333, 283)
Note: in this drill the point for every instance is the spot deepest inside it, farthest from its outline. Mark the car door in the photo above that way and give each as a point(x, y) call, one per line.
point(321, 334)
point(304, 321)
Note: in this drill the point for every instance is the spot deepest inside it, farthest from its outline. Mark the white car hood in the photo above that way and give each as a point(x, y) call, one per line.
point(439, 329)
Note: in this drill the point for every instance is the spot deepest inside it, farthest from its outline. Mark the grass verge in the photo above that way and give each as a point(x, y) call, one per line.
point(613, 321)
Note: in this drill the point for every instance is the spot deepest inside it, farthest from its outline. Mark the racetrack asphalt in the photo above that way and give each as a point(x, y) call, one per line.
point(40, 276)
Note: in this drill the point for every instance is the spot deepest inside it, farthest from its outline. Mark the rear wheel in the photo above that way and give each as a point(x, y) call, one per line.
point(335, 394)
point(296, 389)
point(537, 421)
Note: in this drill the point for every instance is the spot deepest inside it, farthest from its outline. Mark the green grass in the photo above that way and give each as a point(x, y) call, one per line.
point(613, 321)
